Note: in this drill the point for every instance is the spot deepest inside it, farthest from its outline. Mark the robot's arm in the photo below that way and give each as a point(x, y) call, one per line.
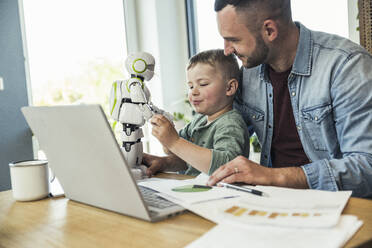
point(137, 95)
point(135, 88)
point(157, 110)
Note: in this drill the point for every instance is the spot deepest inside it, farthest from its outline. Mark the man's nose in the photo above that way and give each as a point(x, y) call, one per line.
point(228, 49)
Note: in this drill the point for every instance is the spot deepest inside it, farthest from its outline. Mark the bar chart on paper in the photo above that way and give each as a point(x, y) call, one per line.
point(288, 208)
point(239, 211)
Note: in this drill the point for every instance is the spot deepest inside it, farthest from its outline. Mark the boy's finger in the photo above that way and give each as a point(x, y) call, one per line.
point(155, 121)
point(161, 118)
point(158, 117)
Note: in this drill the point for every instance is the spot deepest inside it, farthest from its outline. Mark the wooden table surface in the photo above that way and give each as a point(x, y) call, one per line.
point(59, 222)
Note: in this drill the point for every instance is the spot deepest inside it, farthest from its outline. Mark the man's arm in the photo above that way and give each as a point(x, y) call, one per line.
point(351, 113)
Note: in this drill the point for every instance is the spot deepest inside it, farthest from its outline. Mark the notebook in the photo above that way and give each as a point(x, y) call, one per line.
point(85, 157)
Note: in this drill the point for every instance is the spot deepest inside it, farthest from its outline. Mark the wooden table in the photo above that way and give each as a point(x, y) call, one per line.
point(59, 222)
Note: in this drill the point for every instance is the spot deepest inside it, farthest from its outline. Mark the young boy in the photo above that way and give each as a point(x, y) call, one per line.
point(217, 134)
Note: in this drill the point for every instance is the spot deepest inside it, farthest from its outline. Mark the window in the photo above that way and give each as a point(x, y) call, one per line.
point(76, 49)
point(321, 15)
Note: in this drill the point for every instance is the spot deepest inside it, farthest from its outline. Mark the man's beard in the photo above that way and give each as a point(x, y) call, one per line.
point(258, 56)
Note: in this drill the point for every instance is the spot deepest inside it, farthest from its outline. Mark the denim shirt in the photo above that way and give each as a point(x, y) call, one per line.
point(330, 85)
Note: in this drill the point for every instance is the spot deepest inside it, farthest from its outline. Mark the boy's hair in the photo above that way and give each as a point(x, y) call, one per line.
point(227, 65)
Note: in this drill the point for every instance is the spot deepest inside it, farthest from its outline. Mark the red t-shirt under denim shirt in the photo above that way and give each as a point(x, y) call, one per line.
point(286, 147)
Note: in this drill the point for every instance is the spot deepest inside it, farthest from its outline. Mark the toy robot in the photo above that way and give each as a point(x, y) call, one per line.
point(130, 105)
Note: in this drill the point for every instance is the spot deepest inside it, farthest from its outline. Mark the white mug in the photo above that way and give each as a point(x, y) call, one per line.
point(30, 179)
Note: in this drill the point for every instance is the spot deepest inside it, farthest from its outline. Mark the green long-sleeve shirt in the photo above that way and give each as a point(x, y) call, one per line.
point(227, 137)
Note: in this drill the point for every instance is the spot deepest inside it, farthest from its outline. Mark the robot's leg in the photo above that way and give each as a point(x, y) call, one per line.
point(133, 149)
point(133, 153)
point(128, 129)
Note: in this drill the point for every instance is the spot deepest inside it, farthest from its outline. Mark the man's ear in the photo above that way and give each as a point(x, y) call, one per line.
point(232, 87)
point(269, 30)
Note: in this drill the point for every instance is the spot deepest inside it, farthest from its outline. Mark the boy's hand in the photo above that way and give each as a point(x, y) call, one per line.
point(164, 131)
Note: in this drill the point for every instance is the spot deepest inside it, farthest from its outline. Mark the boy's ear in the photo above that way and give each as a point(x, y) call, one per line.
point(232, 87)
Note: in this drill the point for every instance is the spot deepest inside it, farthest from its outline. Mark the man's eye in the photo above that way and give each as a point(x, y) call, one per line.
point(205, 84)
point(232, 40)
point(190, 87)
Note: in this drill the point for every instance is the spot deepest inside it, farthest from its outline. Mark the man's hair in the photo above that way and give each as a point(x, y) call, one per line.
point(255, 11)
point(227, 65)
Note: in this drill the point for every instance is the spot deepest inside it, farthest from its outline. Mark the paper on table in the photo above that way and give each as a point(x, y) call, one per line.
point(166, 186)
point(202, 178)
point(281, 200)
point(284, 207)
point(289, 207)
point(232, 235)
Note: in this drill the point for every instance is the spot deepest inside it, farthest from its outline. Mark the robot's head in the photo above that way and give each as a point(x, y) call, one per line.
point(141, 64)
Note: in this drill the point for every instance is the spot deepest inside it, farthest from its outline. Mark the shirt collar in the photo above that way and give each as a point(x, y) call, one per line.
point(303, 60)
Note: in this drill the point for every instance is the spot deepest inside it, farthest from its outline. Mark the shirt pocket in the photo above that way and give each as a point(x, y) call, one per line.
point(317, 120)
point(253, 117)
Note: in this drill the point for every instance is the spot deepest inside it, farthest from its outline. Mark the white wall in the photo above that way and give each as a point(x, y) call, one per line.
point(159, 27)
point(15, 136)
point(161, 30)
point(333, 16)
point(353, 21)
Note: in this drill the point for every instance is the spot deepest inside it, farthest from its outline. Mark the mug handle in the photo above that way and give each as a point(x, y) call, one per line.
point(53, 175)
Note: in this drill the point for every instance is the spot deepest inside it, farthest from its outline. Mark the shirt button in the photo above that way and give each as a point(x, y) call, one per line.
point(269, 126)
point(316, 118)
point(270, 95)
point(254, 117)
point(298, 127)
point(293, 93)
point(265, 156)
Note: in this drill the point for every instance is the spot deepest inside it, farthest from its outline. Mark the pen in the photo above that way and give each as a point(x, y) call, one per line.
point(248, 190)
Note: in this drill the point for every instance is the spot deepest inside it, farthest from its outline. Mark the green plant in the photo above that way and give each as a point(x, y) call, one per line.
point(255, 143)
point(180, 117)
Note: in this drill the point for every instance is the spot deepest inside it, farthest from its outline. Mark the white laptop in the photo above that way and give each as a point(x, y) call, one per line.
point(86, 158)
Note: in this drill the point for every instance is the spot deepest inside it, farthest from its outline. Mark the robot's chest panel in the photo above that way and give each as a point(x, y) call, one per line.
point(131, 114)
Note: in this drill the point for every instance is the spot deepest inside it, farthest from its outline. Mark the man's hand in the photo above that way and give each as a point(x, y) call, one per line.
point(246, 171)
point(154, 164)
point(241, 169)
point(164, 131)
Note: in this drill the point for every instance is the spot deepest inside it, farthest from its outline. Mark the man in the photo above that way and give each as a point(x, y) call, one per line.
point(307, 96)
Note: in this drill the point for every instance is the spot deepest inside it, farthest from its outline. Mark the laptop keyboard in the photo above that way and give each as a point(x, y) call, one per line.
point(153, 200)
